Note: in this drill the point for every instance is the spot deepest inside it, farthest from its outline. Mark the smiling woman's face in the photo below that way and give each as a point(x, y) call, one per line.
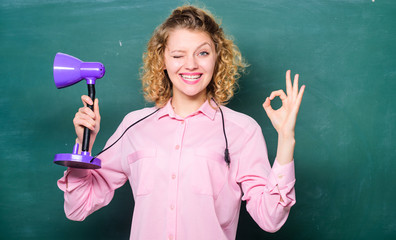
point(190, 59)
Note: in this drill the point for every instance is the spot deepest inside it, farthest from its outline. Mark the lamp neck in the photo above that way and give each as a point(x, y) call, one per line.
point(90, 80)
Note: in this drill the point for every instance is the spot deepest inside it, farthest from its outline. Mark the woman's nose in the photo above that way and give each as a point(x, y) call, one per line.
point(191, 63)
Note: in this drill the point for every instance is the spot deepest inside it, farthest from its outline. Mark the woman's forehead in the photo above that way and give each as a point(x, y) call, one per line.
point(181, 38)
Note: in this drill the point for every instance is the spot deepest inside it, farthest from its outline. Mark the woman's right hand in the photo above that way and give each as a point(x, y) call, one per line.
point(85, 117)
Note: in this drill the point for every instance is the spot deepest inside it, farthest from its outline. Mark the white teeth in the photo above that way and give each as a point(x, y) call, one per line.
point(191, 77)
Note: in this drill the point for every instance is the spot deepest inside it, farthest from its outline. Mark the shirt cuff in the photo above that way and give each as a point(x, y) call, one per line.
point(284, 174)
point(281, 181)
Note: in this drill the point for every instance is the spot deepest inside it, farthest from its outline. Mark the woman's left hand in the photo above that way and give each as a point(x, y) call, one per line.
point(284, 118)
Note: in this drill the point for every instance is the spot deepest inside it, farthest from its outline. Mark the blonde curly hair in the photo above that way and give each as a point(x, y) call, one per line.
point(157, 86)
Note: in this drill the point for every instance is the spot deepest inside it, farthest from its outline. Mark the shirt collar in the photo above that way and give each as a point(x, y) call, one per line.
point(205, 109)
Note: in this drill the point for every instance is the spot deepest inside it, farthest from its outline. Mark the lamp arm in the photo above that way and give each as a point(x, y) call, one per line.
point(87, 132)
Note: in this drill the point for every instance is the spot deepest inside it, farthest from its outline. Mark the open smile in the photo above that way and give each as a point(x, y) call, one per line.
point(191, 78)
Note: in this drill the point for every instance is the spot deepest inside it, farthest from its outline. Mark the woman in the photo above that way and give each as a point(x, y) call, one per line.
point(191, 160)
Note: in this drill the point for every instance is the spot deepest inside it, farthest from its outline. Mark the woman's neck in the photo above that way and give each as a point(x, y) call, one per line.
point(184, 106)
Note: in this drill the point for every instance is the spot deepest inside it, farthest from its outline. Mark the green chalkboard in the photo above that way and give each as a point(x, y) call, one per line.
point(344, 51)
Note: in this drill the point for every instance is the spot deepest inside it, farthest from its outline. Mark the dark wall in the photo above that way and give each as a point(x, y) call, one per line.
point(345, 154)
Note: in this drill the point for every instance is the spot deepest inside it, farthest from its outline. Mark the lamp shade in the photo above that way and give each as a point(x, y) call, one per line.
point(69, 70)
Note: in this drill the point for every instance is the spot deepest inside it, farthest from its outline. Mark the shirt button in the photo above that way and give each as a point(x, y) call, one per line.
point(170, 237)
point(177, 147)
point(172, 206)
point(173, 176)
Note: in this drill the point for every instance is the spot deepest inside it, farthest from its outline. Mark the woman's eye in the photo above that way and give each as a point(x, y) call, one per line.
point(177, 56)
point(203, 53)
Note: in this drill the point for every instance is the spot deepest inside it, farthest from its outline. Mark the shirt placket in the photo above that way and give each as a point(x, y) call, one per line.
point(174, 180)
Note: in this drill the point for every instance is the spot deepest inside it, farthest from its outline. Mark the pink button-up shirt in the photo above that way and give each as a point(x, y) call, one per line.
point(182, 187)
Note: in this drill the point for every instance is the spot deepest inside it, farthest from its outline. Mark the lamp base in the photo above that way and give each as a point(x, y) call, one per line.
point(75, 160)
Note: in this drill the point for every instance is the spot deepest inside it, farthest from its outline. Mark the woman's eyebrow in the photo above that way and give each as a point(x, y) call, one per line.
point(203, 44)
point(183, 51)
point(176, 51)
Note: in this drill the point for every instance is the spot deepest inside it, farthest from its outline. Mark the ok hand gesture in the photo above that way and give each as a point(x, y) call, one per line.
point(284, 118)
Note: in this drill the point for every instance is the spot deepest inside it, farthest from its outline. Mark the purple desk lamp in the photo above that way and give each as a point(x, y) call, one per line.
point(69, 70)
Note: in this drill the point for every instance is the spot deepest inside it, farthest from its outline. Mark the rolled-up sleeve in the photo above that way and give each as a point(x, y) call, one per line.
point(268, 192)
point(281, 182)
point(87, 190)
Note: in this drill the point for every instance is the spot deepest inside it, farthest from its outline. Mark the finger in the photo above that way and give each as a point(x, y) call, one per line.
point(96, 108)
point(288, 83)
point(87, 111)
point(267, 106)
point(85, 125)
point(84, 116)
point(299, 98)
point(86, 100)
point(279, 93)
point(295, 87)
point(300, 95)
point(82, 120)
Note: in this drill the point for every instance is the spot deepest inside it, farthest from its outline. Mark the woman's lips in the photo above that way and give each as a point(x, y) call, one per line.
point(191, 78)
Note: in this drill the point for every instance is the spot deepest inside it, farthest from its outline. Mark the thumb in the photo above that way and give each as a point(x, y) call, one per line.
point(96, 107)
